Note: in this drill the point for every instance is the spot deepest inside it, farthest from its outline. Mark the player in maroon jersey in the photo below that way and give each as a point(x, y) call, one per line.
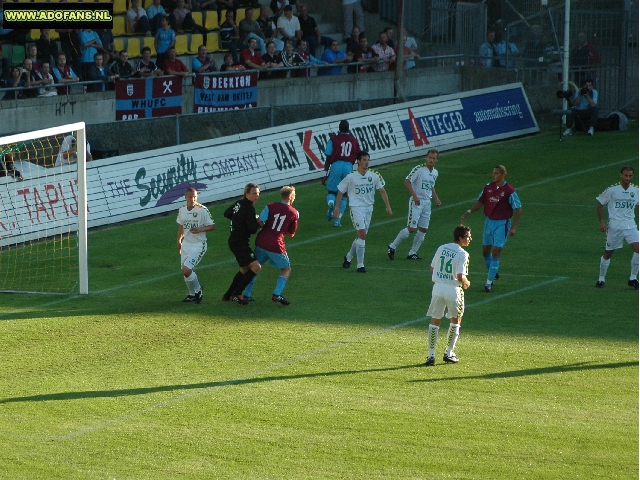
point(500, 202)
point(341, 154)
point(280, 219)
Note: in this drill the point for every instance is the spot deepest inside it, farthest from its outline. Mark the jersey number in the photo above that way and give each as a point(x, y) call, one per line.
point(278, 220)
point(445, 267)
point(346, 149)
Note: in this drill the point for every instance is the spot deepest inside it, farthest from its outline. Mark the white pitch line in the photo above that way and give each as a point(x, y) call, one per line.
point(323, 237)
point(286, 363)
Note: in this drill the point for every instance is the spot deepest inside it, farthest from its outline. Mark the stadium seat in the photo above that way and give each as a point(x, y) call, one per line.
point(197, 18)
point(196, 40)
point(119, 6)
point(149, 42)
point(213, 43)
point(133, 47)
point(54, 35)
point(239, 15)
point(119, 44)
point(211, 20)
point(182, 44)
point(33, 35)
point(147, 3)
point(17, 55)
point(118, 26)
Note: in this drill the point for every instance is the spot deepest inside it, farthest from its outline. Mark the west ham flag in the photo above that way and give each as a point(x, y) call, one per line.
point(148, 97)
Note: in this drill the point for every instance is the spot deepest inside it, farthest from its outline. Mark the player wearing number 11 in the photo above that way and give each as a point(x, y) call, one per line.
point(449, 270)
point(280, 219)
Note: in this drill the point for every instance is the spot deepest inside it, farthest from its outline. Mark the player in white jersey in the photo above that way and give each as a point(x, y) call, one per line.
point(449, 270)
point(361, 187)
point(421, 183)
point(194, 220)
point(622, 202)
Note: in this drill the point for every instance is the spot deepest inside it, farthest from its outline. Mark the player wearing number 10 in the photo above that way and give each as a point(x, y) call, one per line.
point(341, 152)
point(449, 270)
point(280, 219)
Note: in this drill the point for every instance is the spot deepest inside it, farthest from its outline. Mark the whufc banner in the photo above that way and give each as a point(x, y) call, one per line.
point(148, 97)
point(215, 93)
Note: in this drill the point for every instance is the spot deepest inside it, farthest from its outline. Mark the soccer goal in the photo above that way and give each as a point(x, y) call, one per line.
point(43, 211)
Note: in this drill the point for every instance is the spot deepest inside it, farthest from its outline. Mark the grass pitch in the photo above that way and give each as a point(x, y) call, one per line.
point(130, 383)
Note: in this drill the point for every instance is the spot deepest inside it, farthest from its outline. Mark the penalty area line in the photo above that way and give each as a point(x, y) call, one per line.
point(276, 366)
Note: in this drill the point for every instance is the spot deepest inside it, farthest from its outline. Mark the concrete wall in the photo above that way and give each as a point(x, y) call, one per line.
point(99, 108)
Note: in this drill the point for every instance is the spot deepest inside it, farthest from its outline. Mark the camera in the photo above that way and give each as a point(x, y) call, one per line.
point(584, 91)
point(566, 94)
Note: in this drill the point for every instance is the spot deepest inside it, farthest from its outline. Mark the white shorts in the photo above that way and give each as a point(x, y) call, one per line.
point(361, 217)
point(615, 238)
point(190, 255)
point(447, 297)
point(419, 215)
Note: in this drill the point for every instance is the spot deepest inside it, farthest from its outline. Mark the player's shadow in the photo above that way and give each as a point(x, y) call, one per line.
point(194, 386)
point(532, 371)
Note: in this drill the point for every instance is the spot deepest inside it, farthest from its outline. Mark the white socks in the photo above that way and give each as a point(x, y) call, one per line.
point(192, 283)
point(402, 235)
point(452, 335)
point(432, 335)
point(604, 265)
point(417, 241)
point(360, 251)
point(634, 266)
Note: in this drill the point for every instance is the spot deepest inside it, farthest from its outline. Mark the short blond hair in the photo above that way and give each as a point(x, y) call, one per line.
point(285, 192)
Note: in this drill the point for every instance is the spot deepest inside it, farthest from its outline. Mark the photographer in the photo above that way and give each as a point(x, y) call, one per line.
point(585, 108)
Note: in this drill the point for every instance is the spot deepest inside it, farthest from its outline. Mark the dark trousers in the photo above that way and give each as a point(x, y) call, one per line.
point(583, 118)
point(143, 25)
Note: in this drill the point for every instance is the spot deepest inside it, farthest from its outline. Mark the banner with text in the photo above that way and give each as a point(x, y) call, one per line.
point(152, 182)
point(216, 93)
point(148, 97)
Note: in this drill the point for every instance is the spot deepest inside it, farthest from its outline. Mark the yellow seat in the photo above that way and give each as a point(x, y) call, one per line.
point(133, 47)
point(33, 35)
point(211, 21)
point(196, 40)
point(118, 26)
point(119, 44)
point(149, 42)
point(239, 15)
point(119, 6)
point(147, 3)
point(182, 44)
point(197, 18)
point(213, 43)
point(54, 35)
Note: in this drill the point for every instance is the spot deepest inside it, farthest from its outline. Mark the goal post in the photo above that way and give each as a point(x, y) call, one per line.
point(43, 216)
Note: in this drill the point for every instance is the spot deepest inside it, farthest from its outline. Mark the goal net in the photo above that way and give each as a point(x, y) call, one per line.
point(43, 211)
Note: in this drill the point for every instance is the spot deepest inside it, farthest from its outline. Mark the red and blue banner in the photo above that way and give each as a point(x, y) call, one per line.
point(216, 93)
point(148, 97)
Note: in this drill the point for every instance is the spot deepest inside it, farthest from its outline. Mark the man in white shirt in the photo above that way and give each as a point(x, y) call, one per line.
point(289, 26)
point(195, 221)
point(361, 187)
point(421, 184)
point(621, 200)
point(449, 270)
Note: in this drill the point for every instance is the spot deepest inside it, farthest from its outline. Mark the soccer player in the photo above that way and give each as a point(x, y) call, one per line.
point(244, 223)
point(622, 202)
point(500, 203)
point(341, 154)
point(361, 187)
point(421, 183)
point(195, 221)
point(449, 270)
point(279, 219)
